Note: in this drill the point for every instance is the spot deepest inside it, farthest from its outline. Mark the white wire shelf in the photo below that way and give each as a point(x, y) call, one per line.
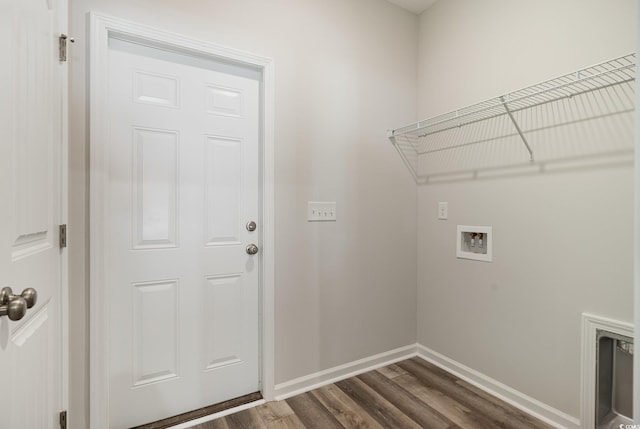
point(604, 90)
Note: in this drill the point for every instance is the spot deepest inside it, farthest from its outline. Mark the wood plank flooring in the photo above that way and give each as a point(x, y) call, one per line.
point(412, 394)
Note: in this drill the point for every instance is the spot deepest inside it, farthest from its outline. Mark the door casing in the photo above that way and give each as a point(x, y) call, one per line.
point(102, 29)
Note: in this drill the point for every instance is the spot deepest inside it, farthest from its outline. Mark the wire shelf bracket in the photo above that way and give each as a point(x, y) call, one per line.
point(517, 127)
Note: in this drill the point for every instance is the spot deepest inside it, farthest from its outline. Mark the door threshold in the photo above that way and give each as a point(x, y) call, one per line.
point(202, 412)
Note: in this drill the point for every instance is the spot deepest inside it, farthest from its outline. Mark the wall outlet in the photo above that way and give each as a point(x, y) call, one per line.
point(319, 211)
point(443, 210)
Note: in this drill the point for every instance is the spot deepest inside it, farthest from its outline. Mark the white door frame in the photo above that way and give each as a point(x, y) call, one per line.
point(63, 27)
point(102, 28)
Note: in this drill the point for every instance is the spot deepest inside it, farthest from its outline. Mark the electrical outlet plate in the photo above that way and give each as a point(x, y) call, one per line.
point(321, 211)
point(471, 246)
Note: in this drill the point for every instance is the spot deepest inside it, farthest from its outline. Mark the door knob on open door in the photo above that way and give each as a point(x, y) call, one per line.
point(16, 309)
point(252, 249)
point(15, 306)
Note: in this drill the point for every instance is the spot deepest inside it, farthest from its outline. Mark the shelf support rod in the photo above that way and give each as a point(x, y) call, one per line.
point(515, 124)
point(411, 168)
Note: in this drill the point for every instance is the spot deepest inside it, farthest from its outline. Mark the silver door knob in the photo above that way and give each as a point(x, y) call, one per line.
point(15, 306)
point(252, 249)
point(16, 309)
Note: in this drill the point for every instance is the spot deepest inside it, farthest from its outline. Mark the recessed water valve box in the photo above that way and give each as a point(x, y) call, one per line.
point(475, 242)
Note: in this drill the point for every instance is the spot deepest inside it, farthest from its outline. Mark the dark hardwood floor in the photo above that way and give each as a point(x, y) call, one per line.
point(410, 394)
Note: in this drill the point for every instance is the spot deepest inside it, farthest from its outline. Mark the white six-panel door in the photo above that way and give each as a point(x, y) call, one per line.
point(30, 192)
point(182, 184)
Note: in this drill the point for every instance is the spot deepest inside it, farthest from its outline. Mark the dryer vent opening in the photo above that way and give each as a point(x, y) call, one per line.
point(614, 380)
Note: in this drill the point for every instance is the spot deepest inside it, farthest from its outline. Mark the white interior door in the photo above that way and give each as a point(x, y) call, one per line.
point(182, 184)
point(30, 191)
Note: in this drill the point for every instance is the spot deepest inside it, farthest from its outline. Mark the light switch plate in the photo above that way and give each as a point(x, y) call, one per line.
point(443, 210)
point(321, 211)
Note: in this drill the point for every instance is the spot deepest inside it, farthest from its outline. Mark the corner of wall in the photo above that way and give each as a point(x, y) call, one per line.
point(529, 405)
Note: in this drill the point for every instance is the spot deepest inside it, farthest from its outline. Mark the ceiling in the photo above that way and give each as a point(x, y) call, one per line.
point(415, 6)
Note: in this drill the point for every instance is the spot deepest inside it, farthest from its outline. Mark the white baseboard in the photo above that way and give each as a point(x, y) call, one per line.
point(312, 381)
point(529, 405)
point(519, 400)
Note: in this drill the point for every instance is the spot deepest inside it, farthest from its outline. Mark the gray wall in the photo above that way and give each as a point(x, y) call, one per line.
point(345, 71)
point(563, 239)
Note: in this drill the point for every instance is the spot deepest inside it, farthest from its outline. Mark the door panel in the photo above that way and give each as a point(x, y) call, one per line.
point(183, 181)
point(223, 190)
point(155, 188)
point(30, 187)
point(223, 335)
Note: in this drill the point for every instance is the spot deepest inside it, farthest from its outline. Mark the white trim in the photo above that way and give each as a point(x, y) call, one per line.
point(590, 326)
point(322, 378)
point(62, 27)
point(268, 231)
point(529, 405)
point(103, 27)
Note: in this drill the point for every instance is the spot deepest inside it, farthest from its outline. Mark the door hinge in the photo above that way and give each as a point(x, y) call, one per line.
point(63, 420)
point(63, 235)
point(62, 46)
